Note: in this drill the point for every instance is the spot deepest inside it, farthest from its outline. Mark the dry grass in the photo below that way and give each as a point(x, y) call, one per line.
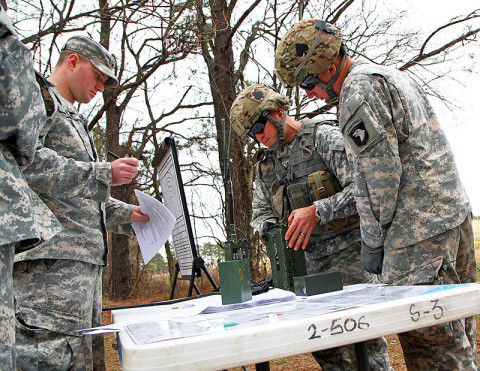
point(159, 290)
point(476, 233)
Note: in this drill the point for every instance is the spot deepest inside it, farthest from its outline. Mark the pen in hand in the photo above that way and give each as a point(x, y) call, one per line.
point(112, 154)
point(117, 157)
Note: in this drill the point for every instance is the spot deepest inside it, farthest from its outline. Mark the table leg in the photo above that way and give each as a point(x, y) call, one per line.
point(264, 366)
point(362, 356)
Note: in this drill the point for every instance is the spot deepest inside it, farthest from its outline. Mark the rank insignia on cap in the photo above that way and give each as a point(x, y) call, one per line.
point(358, 132)
point(258, 94)
point(301, 49)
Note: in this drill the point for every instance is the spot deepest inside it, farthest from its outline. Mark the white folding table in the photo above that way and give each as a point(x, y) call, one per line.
point(276, 336)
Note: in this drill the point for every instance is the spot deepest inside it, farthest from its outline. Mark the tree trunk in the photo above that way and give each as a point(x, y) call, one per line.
point(222, 84)
point(171, 265)
point(121, 275)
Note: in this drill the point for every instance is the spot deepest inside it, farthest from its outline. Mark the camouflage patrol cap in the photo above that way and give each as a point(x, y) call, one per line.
point(251, 103)
point(96, 53)
point(310, 47)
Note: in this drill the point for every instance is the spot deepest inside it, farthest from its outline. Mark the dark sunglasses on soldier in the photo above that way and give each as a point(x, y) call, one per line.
point(309, 82)
point(258, 127)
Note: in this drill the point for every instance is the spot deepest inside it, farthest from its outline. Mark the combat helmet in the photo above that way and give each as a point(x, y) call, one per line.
point(310, 47)
point(255, 101)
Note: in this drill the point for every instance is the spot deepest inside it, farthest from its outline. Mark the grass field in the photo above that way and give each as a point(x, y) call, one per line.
point(303, 362)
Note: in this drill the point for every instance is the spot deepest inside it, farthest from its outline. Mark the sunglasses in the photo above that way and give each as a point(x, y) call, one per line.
point(258, 127)
point(309, 83)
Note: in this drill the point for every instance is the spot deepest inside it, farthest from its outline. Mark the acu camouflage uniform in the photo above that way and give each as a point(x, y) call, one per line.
point(22, 118)
point(410, 201)
point(408, 193)
point(58, 284)
point(282, 185)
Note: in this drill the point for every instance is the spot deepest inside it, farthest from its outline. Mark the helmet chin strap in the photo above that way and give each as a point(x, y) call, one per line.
point(281, 135)
point(328, 87)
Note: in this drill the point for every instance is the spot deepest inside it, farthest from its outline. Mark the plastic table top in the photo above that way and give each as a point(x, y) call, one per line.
point(283, 336)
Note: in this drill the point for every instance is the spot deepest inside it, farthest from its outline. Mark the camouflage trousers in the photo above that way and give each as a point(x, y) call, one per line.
point(448, 258)
point(347, 261)
point(7, 321)
point(54, 299)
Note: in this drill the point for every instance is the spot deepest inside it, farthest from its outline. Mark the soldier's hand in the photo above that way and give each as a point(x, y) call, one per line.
point(300, 226)
point(137, 216)
point(124, 170)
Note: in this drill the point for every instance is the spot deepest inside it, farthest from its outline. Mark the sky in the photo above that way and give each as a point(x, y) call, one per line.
point(462, 125)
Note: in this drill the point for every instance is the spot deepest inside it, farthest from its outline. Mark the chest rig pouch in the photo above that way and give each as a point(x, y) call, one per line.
point(301, 176)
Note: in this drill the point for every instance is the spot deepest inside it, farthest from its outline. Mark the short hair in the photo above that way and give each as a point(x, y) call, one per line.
point(65, 53)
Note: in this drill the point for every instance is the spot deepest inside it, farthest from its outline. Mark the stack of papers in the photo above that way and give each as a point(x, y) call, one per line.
point(270, 297)
point(153, 234)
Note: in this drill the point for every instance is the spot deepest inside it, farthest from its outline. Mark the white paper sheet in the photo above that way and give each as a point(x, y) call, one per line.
point(152, 235)
point(163, 313)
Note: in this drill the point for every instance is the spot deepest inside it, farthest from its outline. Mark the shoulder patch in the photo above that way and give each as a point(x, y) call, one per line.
point(357, 132)
point(359, 125)
point(346, 113)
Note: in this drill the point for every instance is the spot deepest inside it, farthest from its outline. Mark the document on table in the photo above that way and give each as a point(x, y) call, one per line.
point(161, 313)
point(271, 297)
point(152, 235)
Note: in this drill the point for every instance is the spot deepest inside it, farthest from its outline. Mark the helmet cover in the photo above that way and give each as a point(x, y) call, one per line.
point(302, 51)
point(251, 103)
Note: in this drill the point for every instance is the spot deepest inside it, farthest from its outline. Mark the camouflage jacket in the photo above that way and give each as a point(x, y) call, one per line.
point(330, 147)
point(22, 118)
point(76, 187)
point(407, 187)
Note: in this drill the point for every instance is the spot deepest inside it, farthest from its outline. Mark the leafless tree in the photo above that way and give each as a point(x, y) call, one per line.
point(217, 30)
point(164, 90)
point(145, 37)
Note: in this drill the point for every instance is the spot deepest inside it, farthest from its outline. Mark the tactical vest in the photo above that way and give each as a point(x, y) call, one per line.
point(300, 176)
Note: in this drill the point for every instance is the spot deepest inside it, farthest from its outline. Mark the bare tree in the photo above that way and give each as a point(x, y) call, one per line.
point(144, 36)
point(367, 32)
point(216, 31)
point(157, 43)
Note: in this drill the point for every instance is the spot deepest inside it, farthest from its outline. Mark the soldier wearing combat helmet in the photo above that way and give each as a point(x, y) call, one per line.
point(304, 180)
point(252, 106)
point(415, 217)
point(308, 49)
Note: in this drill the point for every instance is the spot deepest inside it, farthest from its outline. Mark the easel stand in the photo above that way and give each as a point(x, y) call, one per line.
point(197, 267)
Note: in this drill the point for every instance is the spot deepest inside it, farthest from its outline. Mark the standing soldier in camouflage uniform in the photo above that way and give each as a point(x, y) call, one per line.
point(22, 118)
point(415, 216)
point(304, 179)
point(58, 285)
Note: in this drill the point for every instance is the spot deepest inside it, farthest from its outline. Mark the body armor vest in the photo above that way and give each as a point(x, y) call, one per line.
point(299, 176)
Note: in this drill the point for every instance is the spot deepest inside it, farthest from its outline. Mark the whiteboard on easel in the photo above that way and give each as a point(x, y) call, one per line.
point(171, 185)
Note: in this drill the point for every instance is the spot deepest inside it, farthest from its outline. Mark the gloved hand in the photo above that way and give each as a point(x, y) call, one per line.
point(372, 258)
point(265, 228)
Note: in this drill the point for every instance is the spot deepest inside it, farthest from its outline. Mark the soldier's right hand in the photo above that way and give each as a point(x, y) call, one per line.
point(124, 170)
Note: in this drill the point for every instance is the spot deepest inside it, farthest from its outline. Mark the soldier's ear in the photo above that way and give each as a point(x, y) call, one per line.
point(73, 61)
point(332, 70)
